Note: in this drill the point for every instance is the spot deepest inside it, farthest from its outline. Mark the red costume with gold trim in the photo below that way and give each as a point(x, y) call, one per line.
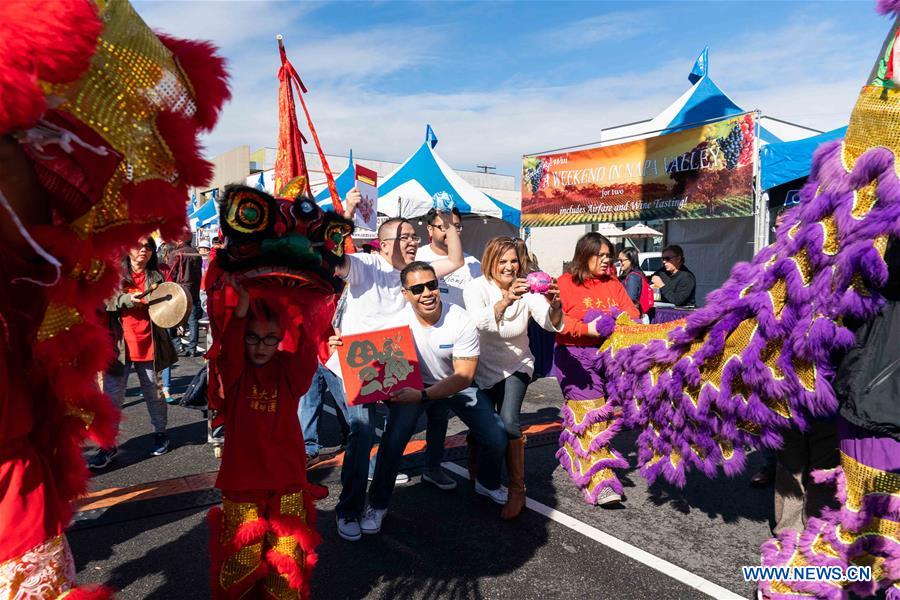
point(99, 119)
point(263, 539)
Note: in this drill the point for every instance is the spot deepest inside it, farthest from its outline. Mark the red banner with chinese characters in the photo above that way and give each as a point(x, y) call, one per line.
point(374, 365)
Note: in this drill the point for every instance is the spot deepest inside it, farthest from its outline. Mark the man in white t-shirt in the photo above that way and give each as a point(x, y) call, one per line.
point(374, 301)
point(447, 348)
point(451, 285)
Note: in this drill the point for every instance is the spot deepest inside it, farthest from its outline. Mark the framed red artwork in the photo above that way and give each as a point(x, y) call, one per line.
point(376, 364)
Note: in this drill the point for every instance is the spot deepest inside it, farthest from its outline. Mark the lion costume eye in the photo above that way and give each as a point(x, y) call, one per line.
point(248, 213)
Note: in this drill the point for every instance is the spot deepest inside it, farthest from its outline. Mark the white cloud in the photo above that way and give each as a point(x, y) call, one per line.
point(802, 71)
point(609, 27)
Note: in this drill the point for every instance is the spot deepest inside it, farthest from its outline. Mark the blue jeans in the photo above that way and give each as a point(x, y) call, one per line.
point(438, 415)
point(506, 396)
point(355, 471)
point(475, 411)
point(194, 326)
point(312, 402)
point(167, 377)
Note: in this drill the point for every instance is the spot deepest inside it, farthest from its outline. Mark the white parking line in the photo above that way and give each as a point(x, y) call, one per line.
point(654, 562)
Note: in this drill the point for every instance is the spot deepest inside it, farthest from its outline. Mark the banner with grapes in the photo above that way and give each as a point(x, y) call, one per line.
point(697, 173)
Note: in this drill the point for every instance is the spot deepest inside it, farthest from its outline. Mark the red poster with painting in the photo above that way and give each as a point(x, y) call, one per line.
point(376, 364)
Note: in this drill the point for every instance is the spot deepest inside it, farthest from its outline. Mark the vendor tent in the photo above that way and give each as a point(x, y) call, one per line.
point(205, 216)
point(783, 162)
point(424, 181)
point(714, 246)
point(344, 183)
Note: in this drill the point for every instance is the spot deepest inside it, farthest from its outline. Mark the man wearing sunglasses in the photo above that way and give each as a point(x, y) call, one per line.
point(374, 301)
point(675, 282)
point(447, 347)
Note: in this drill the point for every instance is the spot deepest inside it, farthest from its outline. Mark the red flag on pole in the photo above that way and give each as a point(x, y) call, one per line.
point(290, 151)
point(290, 162)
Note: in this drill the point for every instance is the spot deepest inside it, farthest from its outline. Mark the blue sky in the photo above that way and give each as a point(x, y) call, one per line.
point(500, 79)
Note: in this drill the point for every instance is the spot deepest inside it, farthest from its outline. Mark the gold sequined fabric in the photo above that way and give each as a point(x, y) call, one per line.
point(242, 564)
point(292, 505)
point(57, 319)
point(863, 480)
point(132, 78)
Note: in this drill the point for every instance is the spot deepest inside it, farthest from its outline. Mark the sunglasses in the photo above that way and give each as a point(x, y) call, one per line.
point(668, 258)
point(419, 288)
point(251, 339)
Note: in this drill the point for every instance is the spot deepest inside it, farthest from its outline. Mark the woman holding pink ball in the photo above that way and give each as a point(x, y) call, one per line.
point(501, 302)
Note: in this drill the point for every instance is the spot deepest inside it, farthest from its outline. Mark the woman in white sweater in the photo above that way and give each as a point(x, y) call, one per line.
point(500, 304)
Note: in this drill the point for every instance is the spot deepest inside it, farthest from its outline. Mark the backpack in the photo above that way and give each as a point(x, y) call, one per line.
point(195, 395)
point(645, 301)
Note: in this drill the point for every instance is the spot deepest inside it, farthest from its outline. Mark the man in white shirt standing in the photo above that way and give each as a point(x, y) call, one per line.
point(447, 348)
point(451, 287)
point(374, 301)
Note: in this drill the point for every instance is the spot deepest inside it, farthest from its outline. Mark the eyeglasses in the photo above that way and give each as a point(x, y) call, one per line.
point(445, 227)
point(404, 238)
point(419, 288)
point(252, 339)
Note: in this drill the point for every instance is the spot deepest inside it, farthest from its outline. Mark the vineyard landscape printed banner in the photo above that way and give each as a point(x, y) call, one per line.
point(696, 173)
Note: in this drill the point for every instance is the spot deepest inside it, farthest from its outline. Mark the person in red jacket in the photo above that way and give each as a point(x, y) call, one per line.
point(262, 539)
point(586, 290)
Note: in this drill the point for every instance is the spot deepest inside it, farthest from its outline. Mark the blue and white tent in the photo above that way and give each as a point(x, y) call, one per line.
point(424, 181)
point(344, 183)
point(704, 101)
point(207, 215)
point(782, 162)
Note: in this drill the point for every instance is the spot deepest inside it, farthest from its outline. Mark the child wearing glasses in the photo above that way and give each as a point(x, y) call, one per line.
point(265, 532)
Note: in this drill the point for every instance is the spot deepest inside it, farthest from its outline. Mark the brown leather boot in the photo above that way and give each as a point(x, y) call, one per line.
point(472, 451)
point(515, 467)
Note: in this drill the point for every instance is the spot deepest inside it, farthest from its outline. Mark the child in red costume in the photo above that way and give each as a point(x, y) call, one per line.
point(263, 538)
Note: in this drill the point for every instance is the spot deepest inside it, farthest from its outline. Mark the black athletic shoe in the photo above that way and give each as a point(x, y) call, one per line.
point(160, 444)
point(102, 459)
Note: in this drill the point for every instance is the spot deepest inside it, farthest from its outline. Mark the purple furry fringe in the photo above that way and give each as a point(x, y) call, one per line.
point(783, 361)
point(887, 7)
point(806, 548)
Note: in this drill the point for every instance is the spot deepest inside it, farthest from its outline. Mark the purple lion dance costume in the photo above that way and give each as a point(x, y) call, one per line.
point(760, 358)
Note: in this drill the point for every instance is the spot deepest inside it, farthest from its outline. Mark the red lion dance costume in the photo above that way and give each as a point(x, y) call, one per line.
point(263, 539)
point(99, 119)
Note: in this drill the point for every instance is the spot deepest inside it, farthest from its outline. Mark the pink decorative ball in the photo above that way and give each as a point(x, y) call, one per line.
point(539, 282)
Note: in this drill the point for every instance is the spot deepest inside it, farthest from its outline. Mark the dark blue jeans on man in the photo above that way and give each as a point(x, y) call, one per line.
point(473, 409)
point(194, 327)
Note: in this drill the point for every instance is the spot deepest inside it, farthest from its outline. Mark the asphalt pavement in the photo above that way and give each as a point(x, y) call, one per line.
point(662, 543)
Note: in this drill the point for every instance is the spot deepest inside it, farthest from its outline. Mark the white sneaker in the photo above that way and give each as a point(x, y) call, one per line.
point(371, 520)
point(402, 479)
point(608, 497)
point(499, 495)
point(349, 529)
